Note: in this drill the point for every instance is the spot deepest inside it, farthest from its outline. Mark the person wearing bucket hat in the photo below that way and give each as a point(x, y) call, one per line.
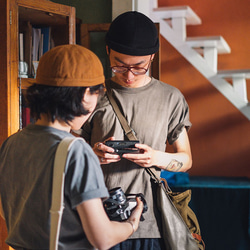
point(64, 94)
point(157, 112)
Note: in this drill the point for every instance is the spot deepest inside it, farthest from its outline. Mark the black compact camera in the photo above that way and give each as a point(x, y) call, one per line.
point(119, 205)
point(123, 147)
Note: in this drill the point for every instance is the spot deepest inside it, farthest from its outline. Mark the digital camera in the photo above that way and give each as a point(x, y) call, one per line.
point(123, 147)
point(119, 206)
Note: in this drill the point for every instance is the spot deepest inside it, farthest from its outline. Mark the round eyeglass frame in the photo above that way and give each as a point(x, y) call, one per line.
point(124, 69)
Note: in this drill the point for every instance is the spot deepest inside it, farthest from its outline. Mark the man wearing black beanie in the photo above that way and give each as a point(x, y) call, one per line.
point(156, 111)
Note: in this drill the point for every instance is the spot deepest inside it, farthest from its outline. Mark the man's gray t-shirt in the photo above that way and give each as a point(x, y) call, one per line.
point(26, 170)
point(157, 112)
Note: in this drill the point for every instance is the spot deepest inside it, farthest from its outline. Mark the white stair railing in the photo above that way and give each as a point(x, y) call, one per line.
point(201, 52)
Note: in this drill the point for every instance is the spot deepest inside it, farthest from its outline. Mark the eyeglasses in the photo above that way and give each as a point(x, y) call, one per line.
point(135, 70)
point(124, 69)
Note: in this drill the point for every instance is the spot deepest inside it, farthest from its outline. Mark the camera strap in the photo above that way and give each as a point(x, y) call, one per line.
point(129, 132)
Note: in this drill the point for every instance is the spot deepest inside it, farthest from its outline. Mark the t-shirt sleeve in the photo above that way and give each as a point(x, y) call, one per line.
point(84, 178)
point(179, 118)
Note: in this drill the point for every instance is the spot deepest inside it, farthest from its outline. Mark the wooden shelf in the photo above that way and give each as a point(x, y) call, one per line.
point(37, 17)
point(20, 16)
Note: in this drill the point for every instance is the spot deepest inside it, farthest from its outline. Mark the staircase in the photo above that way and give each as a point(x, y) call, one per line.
point(201, 52)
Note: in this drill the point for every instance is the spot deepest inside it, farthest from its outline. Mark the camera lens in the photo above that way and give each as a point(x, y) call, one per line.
point(118, 195)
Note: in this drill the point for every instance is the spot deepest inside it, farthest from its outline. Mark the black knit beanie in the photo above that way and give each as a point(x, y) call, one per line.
point(133, 33)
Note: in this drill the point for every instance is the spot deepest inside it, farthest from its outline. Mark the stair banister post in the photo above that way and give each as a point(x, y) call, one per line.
point(239, 85)
point(211, 57)
point(179, 26)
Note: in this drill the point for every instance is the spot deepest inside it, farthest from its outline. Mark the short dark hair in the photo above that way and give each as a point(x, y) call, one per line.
point(62, 103)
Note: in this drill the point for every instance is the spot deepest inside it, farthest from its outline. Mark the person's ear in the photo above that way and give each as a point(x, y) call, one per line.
point(107, 50)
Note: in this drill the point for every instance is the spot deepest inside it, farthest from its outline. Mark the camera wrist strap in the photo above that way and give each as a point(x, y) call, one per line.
point(129, 132)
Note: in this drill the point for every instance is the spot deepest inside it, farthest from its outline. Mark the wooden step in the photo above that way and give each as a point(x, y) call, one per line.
point(238, 78)
point(209, 47)
point(178, 12)
point(229, 74)
point(217, 42)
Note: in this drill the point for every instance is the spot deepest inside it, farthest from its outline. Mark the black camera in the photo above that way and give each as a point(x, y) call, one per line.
point(119, 206)
point(123, 147)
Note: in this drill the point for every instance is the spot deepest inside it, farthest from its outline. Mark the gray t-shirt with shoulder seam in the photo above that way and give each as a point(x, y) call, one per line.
point(26, 169)
point(157, 112)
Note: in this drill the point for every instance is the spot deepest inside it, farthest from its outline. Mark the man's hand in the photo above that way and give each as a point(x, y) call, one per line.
point(105, 154)
point(145, 158)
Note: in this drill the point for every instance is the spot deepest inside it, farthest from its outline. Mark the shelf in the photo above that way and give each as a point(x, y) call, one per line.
point(19, 16)
point(36, 17)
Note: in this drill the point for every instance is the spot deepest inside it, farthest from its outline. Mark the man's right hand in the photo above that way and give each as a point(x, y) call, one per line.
point(106, 154)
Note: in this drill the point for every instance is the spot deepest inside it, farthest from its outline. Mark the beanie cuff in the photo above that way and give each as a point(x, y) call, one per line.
point(132, 50)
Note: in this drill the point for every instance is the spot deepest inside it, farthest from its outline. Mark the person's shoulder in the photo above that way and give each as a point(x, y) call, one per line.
point(10, 139)
point(102, 102)
point(80, 146)
point(165, 87)
point(81, 156)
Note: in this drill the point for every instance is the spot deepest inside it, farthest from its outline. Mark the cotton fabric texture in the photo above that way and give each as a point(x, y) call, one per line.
point(69, 66)
point(133, 33)
point(155, 111)
point(30, 179)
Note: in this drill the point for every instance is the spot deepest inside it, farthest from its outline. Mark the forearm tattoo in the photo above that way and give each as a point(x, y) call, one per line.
point(174, 166)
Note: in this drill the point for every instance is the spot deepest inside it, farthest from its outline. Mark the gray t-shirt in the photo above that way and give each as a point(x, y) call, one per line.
point(26, 169)
point(157, 112)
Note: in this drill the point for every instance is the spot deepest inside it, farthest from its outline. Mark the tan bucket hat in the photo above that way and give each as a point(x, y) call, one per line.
point(69, 66)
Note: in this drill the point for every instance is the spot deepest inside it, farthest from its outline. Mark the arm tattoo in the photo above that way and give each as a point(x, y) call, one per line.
point(174, 166)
